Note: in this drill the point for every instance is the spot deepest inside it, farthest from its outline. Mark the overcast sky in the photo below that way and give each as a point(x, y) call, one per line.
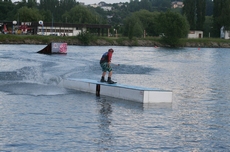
point(94, 1)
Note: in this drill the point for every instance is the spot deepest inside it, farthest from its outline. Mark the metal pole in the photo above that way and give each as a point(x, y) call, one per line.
point(52, 23)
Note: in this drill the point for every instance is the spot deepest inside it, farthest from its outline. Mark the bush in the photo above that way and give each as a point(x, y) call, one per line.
point(85, 38)
point(174, 26)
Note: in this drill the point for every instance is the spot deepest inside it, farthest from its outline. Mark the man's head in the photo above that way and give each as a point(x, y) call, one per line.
point(111, 50)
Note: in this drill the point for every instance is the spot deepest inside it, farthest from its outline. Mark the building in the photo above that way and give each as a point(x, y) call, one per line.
point(195, 34)
point(177, 4)
point(106, 8)
point(94, 5)
point(224, 34)
point(102, 5)
point(58, 29)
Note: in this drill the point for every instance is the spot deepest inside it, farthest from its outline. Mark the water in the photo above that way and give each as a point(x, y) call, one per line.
point(37, 114)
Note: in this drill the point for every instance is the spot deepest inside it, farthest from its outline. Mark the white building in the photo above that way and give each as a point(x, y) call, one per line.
point(106, 8)
point(224, 34)
point(59, 29)
point(195, 34)
point(94, 5)
point(177, 4)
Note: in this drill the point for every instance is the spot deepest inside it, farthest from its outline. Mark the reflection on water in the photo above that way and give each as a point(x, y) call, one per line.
point(38, 115)
point(106, 137)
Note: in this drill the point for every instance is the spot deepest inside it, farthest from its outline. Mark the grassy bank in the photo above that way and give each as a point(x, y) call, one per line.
point(108, 41)
point(28, 39)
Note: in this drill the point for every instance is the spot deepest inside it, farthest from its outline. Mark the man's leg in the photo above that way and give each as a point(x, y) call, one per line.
point(110, 74)
point(103, 77)
point(104, 69)
point(109, 77)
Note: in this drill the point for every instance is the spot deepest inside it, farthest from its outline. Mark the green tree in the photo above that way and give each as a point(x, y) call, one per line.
point(221, 16)
point(209, 7)
point(81, 15)
point(99, 14)
point(32, 4)
point(189, 11)
point(133, 27)
point(161, 5)
point(200, 14)
point(47, 16)
point(148, 21)
point(5, 8)
point(145, 4)
point(138, 29)
point(51, 8)
point(173, 25)
point(63, 7)
point(194, 10)
point(137, 22)
point(134, 5)
point(208, 29)
point(29, 14)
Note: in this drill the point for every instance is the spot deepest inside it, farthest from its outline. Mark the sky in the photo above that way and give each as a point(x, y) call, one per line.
point(94, 1)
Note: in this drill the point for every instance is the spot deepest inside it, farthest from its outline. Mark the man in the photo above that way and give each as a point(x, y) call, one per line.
point(105, 65)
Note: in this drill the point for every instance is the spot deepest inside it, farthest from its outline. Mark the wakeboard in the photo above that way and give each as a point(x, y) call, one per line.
point(108, 82)
point(112, 83)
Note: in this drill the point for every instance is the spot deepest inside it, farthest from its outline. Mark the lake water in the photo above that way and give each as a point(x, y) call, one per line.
point(37, 114)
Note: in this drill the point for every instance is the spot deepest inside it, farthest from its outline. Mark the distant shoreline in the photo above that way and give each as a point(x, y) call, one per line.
point(112, 41)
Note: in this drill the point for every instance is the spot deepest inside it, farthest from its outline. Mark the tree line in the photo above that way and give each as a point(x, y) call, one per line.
point(131, 19)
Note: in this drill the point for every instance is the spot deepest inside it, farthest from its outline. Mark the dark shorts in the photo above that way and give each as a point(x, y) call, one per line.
point(105, 67)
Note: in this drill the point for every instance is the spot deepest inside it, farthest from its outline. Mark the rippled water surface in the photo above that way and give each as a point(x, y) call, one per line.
point(37, 114)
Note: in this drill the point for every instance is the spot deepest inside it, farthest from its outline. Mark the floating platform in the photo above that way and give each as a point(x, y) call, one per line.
point(132, 93)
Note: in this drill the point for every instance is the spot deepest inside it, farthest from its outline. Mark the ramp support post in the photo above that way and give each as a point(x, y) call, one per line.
point(98, 90)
